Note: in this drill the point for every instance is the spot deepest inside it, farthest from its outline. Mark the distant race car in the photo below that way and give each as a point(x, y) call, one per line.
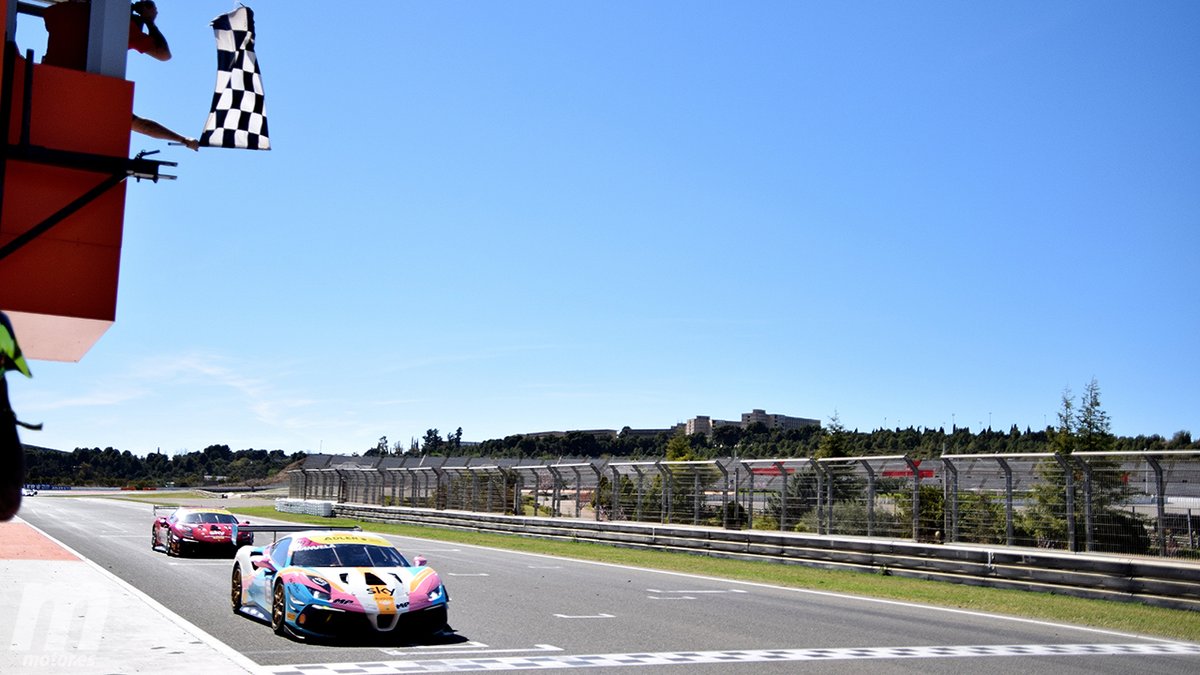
point(321, 584)
point(28, 492)
point(190, 529)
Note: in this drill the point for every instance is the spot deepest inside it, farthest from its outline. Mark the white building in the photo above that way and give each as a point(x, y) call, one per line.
point(703, 424)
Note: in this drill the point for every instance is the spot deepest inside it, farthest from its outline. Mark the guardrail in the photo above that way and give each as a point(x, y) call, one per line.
point(1148, 581)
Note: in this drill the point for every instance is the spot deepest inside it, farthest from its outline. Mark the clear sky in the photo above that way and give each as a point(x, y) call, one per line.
point(525, 216)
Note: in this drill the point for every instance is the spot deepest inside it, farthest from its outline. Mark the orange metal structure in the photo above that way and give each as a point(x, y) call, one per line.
point(66, 142)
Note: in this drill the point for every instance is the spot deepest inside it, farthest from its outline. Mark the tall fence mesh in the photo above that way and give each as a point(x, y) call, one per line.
point(1145, 503)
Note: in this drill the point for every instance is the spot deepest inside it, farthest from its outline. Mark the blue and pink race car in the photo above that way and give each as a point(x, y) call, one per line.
point(320, 584)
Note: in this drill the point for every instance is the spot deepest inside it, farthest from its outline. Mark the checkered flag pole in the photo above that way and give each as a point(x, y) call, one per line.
point(238, 118)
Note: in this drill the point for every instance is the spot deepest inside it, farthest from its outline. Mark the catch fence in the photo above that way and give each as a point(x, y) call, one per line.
point(1139, 503)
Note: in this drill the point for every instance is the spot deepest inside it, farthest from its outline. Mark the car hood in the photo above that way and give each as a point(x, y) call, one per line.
point(383, 590)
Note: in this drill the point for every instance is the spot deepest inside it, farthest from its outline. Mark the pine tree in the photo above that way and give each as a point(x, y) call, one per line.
point(1095, 494)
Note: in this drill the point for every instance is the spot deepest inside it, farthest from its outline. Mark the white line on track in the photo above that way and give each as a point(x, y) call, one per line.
point(586, 616)
point(732, 590)
point(480, 648)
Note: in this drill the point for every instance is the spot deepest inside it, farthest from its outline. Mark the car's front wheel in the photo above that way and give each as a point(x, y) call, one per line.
point(235, 588)
point(279, 609)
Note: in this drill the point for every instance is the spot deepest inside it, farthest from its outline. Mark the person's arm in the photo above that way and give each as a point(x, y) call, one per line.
point(155, 130)
point(145, 12)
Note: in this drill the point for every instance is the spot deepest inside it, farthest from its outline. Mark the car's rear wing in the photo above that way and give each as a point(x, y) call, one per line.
point(162, 507)
point(276, 529)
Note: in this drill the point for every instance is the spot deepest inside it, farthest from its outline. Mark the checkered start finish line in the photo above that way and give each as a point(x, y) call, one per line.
point(736, 656)
point(238, 118)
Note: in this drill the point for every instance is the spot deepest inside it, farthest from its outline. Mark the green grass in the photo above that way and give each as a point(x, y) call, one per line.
point(152, 496)
point(1119, 616)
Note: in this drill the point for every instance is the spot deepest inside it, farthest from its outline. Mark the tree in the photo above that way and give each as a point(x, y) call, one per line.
point(1092, 423)
point(834, 441)
point(679, 449)
point(1093, 493)
point(380, 449)
point(432, 443)
point(1062, 439)
point(727, 435)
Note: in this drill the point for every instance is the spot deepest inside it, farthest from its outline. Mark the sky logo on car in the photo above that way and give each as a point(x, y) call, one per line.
point(384, 598)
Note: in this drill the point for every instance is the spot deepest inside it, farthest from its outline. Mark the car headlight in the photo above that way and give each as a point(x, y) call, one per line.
point(437, 593)
point(322, 592)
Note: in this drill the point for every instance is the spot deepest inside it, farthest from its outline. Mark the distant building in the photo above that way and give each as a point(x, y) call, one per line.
point(700, 424)
point(648, 433)
point(703, 424)
point(772, 421)
point(598, 433)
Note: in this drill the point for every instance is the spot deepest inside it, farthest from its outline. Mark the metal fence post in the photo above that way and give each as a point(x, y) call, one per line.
point(725, 494)
point(750, 510)
point(596, 493)
point(518, 487)
point(578, 491)
point(783, 499)
point(916, 498)
point(1088, 520)
point(555, 493)
point(870, 497)
point(440, 497)
point(667, 492)
point(1008, 500)
point(342, 488)
point(950, 482)
point(820, 511)
point(1069, 481)
point(1160, 503)
point(737, 486)
point(641, 483)
point(616, 493)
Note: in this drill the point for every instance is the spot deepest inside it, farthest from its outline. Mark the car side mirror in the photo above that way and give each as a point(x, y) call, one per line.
point(265, 564)
point(420, 561)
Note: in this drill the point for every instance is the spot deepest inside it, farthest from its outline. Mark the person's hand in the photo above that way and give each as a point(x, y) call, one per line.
point(192, 144)
point(146, 9)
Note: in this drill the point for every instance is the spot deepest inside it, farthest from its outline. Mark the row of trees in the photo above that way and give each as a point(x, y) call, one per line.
point(1081, 428)
point(1087, 429)
point(93, 466)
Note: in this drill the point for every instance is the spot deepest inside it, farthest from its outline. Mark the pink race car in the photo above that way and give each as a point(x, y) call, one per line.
point(196, 528)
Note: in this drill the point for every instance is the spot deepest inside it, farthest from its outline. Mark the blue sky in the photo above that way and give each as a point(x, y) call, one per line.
point(525, 216)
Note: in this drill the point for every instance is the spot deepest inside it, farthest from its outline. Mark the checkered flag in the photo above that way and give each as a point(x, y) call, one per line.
point(238, 118)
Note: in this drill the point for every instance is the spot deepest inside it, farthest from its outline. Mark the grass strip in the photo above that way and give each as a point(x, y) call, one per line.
point(1129, 617)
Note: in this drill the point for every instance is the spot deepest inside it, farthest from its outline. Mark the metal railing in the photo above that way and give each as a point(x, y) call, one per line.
point(1138, 503)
